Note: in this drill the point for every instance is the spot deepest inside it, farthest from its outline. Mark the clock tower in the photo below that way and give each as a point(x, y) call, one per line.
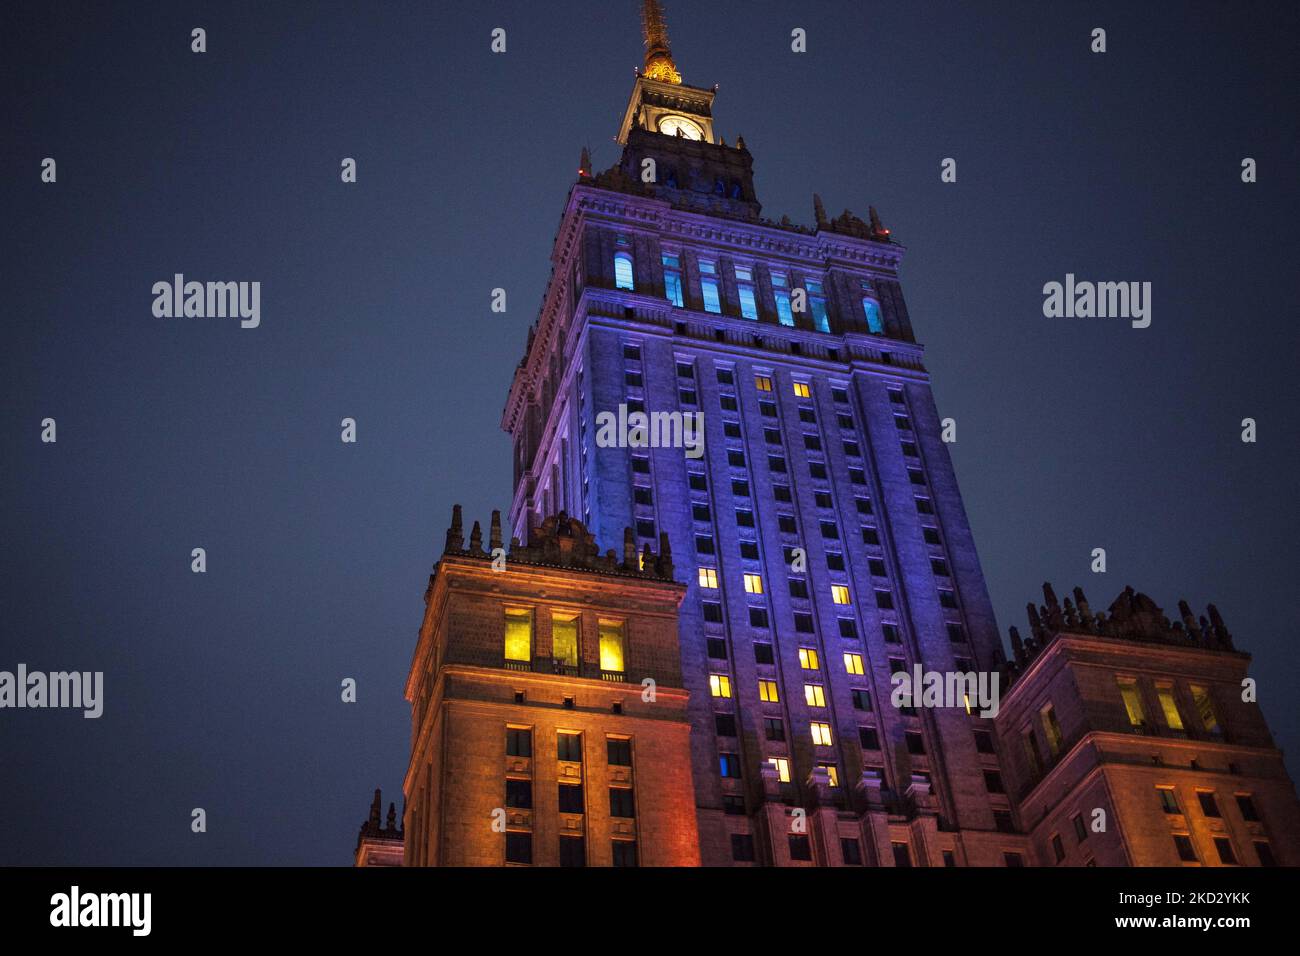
point(660, 101)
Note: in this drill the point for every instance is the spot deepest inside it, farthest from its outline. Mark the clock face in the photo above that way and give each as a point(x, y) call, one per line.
point(670, 125)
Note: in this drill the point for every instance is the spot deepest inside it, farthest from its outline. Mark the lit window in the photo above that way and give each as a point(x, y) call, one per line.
point(623, 270)
point(781, 292)
point(801, 389)
point(808, 659)
point(871, 309)
point(720, 685)
point(564, 638)
point(817, 306)
point(709, 286)
point(1168, 802)
point(745, 292)
point(839, 594)
point(853, 663)
point(821, 734)
point(782, 766)
point(767, 692)
point(519, 635)
point(611, 646)
point(672, 280)
point(1053, 729)
point(708, 577)
point(1205, 708)
point(763, 383)
point(753, 584)
point(1128, 689)
point(832, 773)
point(1165, 694)
point(814, 695)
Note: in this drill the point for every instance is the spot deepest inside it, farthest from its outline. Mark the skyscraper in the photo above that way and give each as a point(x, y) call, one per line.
point(821, 531)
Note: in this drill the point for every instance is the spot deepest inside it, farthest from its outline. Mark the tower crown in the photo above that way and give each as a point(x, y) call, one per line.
point(659, 63)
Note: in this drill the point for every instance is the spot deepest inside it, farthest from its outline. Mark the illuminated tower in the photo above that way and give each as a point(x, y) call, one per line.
point(821, 534)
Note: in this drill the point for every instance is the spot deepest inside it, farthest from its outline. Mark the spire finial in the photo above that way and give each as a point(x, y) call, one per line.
point(659, 63)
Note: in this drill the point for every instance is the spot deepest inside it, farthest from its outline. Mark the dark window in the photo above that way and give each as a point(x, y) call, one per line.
point(700, 512)
point(1002, 820)
point(851, 449)
point(812, 442)
point(519, 848)
point(947, 598)
point(1183, 844)
point(896, 396)
point(571, 798)
point(848, 627)
point(984, 742)
point(901, 856)
point(620, 803)
point(807, 415)
point(800, 847)
point(915, 742)
point(902, 422)
point(840, 395)
point(924, 507)
point(1209, 806)
point(640, 465)
point(891, 633)
point(817, 469)
point(776, 464)
point(519, 743)
point(703, 544)
point(798, 588)
point(740, 488)
point(803, 623)
point(1265, 853)
point(686, 396)
point(851, 851)
point(728, 766)
point(642, 496)
point(758, 617)
point(1058, 848)
point(830, 529)
point(949, 859)
point(728, 403)
point(822, 499)
point(763, 653)
point(742, 847)
point(618, 751)
point(857, 476)
point(632, 352)
point(1012, 859)
point(717, 648)
point(767, 409)
point(698, 482)
point(939, 567)
point(519, 793)
point(868, 737)
point(877, 567)
point(884, 599)
point(909, 449)
point(1168, 802)
point(931, 535)
point(1247, 807)
point(725, 376)
point(773, 728)
point(736, 459)
point(956, 633)
point(725, 724)
point(712, 612)
point(625, 853)
point(749, 549)
point(731, 429)
point(685, 370)
point(897, 666)
point(870, 536)
point(1080, 828)
point(786, 524)
point(733, 804)
point(573, 851)
point(569, 747)
point(781, 492)
point(645, 529)
point(861, 699)
point(993, 781)
point(632, 378)
point(916, 477)
point(864, 505)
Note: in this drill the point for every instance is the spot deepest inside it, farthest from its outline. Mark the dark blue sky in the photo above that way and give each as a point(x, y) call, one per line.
point(222, 690)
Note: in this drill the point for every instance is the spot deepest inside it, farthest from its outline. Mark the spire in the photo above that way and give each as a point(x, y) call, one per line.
point(455, 534)
point(494, 540)
point(584, 163)
point(659, 63)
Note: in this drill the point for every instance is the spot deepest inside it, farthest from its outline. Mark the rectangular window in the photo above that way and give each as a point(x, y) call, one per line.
point(832, 771)
point(1168, 706)
point(709, 286)
point(712, 611)
point(861, 699)
point(1168, 801)
point(753, 584)
point(1052, 728)
point(800, 847)
point(901, 856)
point(1247, 807)
point(703, 545)
point(1128, 690)
point(611, 646)
point(758, 617)
point(868, 738)
point(1080, 828)
point(767, 692)
point(839, 594)
point(853, 663)
point(623, 278)
point(1226, 854)
point(1183, 844)
point(763, 383)
point(763, 653)
point(1058, 847)
point(848, 627)
point(1209, 806)
point(821, 733)
point(519, 793)
point(817, 305)
point(618, 751)
point(915, 742)
point(564, 638)
point(519, 848)
point(808, 659)
point(720, 685)
point(519, 635)
point(1204, 705)
point(621, 803)
point(568, 747)
point(801, 390)
point(742, 847)
point(781, 292)
point(774, 728)
point(814, 695)
point(624, 852)
point(850, 851)
point(729, 765)
point(709, 576)
point(519, 742)
point(803, 623)
point(673, 279)
point(573, 851)
point(571, 798)
point(782, 766)
point(745, 292)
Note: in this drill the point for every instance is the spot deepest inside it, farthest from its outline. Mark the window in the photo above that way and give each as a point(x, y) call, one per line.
point(829, 529)
point(1168, 801)
point(939, 568)
point(851, 851)
point(857, 476)
point(984, 742)
point(519, 848)
point(1204, 706)
point(733, 804)
point(808, 659)
point(519, 793)
point(720, 685)
point(728, 765)
point(884, 600)
point(848, 627)
point(519, 743)
point(956, 633)
point(703, 544)
point(813, 443)
point(673, 279)
point(640, 465)
point(1058, 847)
point(871, 309)
point(573, 850)
point(736, 458)
point(1183, 844)
point(1128, 690)
point(1209, 806)
point(632, 352)
point(1052, 728)
point(807, 415)
point(763, 383)
point(742, 847)
point(787, 524)
point(776, 463)
point(870, 536)
point(749, 550)
point(709, 286)
point(868, 738)
point(773, 728)
point(519, 635)
point(724, 725)
point(618, 751)
point(623, 270)
point(947, 598)
point(901, 856)
point(993, 781)
point(1247, 807)
point(763, 653)
point(853, 663)
point(863, 505)
point(915, 742)
point(803, 623)
point(814, 695)
point(800, 847)
point(839, 594)
point(717, 648)
point(564, 638)
point(696, 480)
point(744, 518)
point(1012, 859)
point(709, 576)
point(781, 493)
point(923, 506)
point(712, 612)
point(1080, 828)
point(801, 390)
point(798, 588)
point(817, 305)
point(624, 852)
point(1168, 706)
point(1003, 821)
point(725, 377)
point(753, 584)
point(621, 803)
point(611, 646)
point(781, 292)
point(568, 747)
point(758, 617)
point(767, 409)
point(832, 773)
point(700, 512)
point(861, 699)
point(782, 766)
point(745, 292)
point(1265, 853)
point(571, 798)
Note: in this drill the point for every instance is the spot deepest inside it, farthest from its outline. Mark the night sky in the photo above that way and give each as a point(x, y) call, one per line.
point(222, 690)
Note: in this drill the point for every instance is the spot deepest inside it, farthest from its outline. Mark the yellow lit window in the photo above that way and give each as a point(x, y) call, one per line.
point(519, 635)
point(767, 692)
point(815, 695)
point(611, 646)
point(1205, 708)
point(753, 584)
point(564, 638)
point(808, 659)
point(839, 594)
point(1165, 692)
point(853, 663)
point(782, 766)
point(1128, 689)
point(801, 389)
point(966, 700)
point(832, 773)
point(708, 578)
point(762, 383)
point(821, 734)
point(720, 685)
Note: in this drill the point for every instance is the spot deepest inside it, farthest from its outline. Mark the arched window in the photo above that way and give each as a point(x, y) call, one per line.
point(623, 270)
point(871, 308)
